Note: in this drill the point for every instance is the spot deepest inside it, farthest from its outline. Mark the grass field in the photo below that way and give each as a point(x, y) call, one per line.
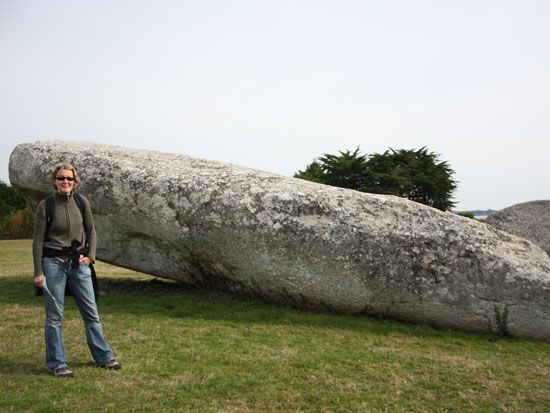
point(189, 350)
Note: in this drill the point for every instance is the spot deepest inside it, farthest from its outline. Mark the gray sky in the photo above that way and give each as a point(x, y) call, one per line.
point(274, 84)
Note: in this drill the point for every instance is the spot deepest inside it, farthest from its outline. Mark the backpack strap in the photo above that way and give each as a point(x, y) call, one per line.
point(80, 203)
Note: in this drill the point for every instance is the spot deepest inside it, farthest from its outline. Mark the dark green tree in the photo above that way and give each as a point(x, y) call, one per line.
point(11, 200)
point(347, 170)
point(313, 172)
point(16, 220)
point(418, 175)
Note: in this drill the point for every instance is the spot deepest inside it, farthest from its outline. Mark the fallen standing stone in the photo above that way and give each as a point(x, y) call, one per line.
point(291, 241)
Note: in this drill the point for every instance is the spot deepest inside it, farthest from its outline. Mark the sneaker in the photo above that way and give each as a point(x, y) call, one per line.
point(110, 365)
point(62, 372)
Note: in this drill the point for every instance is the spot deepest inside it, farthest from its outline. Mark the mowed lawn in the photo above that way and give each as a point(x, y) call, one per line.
point(189, 350)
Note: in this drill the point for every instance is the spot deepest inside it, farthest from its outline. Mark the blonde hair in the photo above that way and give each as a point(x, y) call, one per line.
point(66, 166)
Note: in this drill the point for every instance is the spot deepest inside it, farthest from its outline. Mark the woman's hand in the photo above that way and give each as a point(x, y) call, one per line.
point(38, 280)
point(85, 260)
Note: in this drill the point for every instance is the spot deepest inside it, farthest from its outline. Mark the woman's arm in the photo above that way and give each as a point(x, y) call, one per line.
point(39, 237)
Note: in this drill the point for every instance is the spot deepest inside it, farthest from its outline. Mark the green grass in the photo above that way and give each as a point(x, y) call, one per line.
point(185, 349)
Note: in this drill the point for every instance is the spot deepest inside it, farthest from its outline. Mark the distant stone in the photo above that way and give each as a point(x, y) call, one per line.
point(295, 242)
point(530, 220)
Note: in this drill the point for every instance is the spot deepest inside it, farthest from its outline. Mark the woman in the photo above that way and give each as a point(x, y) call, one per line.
point(53, 271)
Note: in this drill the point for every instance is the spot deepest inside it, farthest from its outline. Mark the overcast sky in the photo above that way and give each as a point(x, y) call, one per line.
point(274, 84)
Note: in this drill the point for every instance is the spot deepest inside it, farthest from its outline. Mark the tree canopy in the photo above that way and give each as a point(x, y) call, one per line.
point(10, 199)
point(416, 174)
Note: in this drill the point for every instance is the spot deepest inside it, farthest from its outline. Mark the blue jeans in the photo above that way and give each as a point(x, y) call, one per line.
point(58, 273)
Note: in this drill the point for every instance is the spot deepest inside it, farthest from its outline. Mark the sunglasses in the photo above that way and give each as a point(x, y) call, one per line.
point(62, 178)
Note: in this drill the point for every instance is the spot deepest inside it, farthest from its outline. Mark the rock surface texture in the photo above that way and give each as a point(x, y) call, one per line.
point(530, 220)
point(295, 242)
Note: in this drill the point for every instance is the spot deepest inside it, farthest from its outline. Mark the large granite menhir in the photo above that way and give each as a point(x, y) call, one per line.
point(295, 242)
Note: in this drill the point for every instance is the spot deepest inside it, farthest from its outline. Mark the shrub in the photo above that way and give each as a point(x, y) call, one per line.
point(19, 224)
point(501, 318)
point(466, 214)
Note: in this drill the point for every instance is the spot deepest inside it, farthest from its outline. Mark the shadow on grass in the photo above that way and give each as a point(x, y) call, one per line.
point(171, 299)
point(15, 367)
point(8, 366)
